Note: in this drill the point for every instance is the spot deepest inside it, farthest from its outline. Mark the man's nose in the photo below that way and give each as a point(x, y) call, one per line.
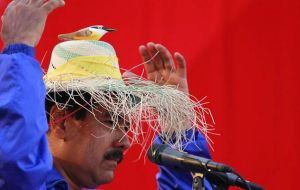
point(122, 142)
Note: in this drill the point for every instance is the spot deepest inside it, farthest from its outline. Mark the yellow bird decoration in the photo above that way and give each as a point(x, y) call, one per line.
point(89, 33)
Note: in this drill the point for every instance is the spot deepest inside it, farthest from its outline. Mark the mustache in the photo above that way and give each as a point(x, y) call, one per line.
point(114, 154)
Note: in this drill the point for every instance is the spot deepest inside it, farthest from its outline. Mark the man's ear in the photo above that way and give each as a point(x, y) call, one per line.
point(57, 122)
point(63, 124)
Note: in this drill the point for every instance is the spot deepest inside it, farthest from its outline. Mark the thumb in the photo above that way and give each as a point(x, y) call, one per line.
point(50, 5)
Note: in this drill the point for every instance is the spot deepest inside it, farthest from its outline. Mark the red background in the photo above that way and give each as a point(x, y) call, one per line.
point(242, 54)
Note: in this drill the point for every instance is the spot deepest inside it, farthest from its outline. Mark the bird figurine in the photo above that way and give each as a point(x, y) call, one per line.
point(89, 33)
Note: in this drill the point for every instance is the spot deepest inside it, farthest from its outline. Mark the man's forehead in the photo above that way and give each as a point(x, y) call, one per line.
point(103, 112)
point(113, 96)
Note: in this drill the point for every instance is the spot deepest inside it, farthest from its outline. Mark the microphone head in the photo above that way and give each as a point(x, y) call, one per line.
point(153, 152)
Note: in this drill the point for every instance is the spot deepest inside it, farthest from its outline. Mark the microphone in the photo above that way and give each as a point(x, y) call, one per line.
point(165, 155)
point(229, 179)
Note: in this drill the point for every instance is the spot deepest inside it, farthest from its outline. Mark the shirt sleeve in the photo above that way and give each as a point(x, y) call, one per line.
point(25, 158)
point(170, 179)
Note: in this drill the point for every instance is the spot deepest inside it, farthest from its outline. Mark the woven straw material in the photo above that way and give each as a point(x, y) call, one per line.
point(79, 67)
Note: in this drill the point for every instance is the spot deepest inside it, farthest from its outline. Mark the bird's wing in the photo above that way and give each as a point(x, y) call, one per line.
point(78, 35)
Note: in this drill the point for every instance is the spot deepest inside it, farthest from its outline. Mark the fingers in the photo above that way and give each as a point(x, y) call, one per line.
point(162, 65)
point(12, 3)
point(24, 1)
point(50, 5)
point(159, 64)
point(149, 64)
point(181, 70)
point(9, 6)
point(166, 57)
point(37, 3)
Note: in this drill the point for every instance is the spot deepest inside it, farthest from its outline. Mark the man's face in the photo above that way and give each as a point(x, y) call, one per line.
point(92, 150)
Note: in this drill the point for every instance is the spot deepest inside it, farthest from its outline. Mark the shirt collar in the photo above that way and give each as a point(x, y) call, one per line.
point(56, 181)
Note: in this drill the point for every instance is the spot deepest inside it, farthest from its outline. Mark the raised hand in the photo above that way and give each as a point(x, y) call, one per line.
point(162, 69)
point(24, 20)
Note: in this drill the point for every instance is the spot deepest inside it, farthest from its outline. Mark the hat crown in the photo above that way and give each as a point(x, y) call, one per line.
point(88, 56)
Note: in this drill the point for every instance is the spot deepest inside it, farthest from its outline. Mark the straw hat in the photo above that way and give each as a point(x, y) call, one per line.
point(79, 67)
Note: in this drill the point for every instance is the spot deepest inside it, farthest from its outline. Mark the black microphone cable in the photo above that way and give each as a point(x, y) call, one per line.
point(223, 180)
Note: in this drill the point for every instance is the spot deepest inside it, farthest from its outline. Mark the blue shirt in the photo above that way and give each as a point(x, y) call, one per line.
point(26, 162)
point(170, 179)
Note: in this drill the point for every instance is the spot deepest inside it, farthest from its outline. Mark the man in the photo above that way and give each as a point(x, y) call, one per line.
point(86, 145)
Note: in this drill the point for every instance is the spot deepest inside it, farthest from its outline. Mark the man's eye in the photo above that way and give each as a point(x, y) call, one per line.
point(110, 122)
point(126, 127)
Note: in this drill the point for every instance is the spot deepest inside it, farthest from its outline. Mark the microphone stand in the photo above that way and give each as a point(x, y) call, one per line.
point(198, 181)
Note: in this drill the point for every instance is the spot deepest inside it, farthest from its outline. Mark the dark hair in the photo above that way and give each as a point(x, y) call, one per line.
point(64, 98)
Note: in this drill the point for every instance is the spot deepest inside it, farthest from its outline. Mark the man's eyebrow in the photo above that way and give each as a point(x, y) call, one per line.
point(109, 114)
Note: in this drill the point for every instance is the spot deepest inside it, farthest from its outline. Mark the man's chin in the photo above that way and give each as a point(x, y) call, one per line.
point(106, 177)
point(105, 174)
point(107, 181)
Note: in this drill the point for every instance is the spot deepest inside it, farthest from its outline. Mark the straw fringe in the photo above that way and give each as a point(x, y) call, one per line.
point(166, 111)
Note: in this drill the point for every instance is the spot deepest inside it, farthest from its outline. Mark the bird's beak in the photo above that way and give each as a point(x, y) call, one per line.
point(109, 29)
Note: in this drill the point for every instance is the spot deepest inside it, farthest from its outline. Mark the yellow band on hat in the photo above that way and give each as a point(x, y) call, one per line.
point(87, 66)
